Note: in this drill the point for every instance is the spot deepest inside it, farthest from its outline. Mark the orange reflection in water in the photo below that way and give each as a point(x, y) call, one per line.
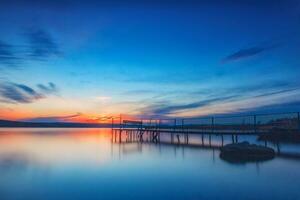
point(57, 146)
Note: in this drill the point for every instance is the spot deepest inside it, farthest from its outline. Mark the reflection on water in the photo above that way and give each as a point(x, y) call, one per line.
point(92, 164)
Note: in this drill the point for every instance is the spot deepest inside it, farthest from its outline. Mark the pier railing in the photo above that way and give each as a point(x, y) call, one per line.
point(258, 123)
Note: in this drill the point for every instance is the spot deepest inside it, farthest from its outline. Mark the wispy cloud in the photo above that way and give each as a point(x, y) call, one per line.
point(139, 92)
point(277, 92)
point(218, 97)
point(259, 88)
point(20, 93)
point(102, 118)
point(166, 109)
point(50, 88)
point(246, 53)
point(7, 54)
point(63, 118)
point(276, 107)
point(103, 99)
point(41, 44)
point(38, 45)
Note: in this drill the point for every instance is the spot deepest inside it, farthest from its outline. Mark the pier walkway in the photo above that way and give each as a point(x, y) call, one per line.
point(216, 125)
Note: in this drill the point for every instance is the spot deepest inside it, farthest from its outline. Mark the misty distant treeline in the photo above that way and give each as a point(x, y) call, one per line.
point(7, 123)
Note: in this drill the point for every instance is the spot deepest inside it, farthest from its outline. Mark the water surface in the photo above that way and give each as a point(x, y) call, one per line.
point(89, 164)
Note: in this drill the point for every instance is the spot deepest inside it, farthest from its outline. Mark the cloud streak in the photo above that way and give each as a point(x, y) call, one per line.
point(139, 92)
point(220, 96)
point(246, 53)
point(7, 55)
point(54, 118)
point(166, 109)
point(20, 93)
point(50, 88)
point(39, 46)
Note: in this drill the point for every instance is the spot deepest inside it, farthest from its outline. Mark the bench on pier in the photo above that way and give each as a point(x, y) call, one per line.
point(132, 123)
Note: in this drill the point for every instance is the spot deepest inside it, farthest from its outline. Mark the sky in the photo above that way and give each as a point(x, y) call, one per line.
point(89, 61)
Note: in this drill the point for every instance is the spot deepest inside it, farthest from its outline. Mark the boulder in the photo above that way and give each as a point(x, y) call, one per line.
point(245, 152)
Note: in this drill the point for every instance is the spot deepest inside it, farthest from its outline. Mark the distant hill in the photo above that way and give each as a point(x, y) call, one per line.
point(7, 123)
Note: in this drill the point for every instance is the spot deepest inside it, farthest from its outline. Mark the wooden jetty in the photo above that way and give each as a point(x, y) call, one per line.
point(182, 141)
point(218, 126)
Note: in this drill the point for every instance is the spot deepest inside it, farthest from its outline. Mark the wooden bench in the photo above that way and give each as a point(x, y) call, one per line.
point(133, 123)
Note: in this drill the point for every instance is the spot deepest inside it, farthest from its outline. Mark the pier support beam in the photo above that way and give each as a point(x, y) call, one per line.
point(222, 137)
point(187, 138)
point(178, 138)
point(212, 124)
point(298, 117)
point(266, 143)
point(254, 123)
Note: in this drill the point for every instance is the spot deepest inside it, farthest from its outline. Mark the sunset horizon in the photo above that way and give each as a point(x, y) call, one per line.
point(84, 62)
point(149, 99)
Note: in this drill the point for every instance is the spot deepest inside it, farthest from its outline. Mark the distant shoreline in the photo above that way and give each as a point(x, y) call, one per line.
point(19, 124)
point(81, 127)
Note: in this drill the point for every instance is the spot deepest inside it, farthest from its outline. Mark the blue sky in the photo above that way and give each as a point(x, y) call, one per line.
point(90, 59)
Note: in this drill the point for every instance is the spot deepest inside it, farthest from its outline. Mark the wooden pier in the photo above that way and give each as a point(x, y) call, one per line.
point(181, 140)
point(209, 126)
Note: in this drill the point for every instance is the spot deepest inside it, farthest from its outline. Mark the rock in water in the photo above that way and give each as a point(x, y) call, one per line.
point(245, 152)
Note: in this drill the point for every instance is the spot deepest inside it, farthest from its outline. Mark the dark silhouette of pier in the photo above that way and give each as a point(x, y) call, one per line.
point(221, 125)
point(179, 131)
point(183, 141)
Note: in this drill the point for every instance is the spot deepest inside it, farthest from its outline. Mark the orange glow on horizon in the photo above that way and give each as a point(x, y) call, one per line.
point(25, 115)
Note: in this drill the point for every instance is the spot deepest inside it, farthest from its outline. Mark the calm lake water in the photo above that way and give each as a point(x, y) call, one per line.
point(88, 164)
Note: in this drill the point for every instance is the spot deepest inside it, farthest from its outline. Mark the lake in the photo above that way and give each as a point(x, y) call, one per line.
point(41, 163)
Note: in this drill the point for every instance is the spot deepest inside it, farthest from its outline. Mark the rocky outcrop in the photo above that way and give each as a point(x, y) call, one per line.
point(245, 152)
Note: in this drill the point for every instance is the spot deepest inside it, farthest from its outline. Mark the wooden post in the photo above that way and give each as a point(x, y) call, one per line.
point(298, 116)
point(159, 122)
point(254, 119)
point(159, 137)
point(222, 139)
point(174, 128)
point(187, 138)
point(278, 148)
point(266, 143)
point(212, 124)
point(178, 139)
point(112, 123)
